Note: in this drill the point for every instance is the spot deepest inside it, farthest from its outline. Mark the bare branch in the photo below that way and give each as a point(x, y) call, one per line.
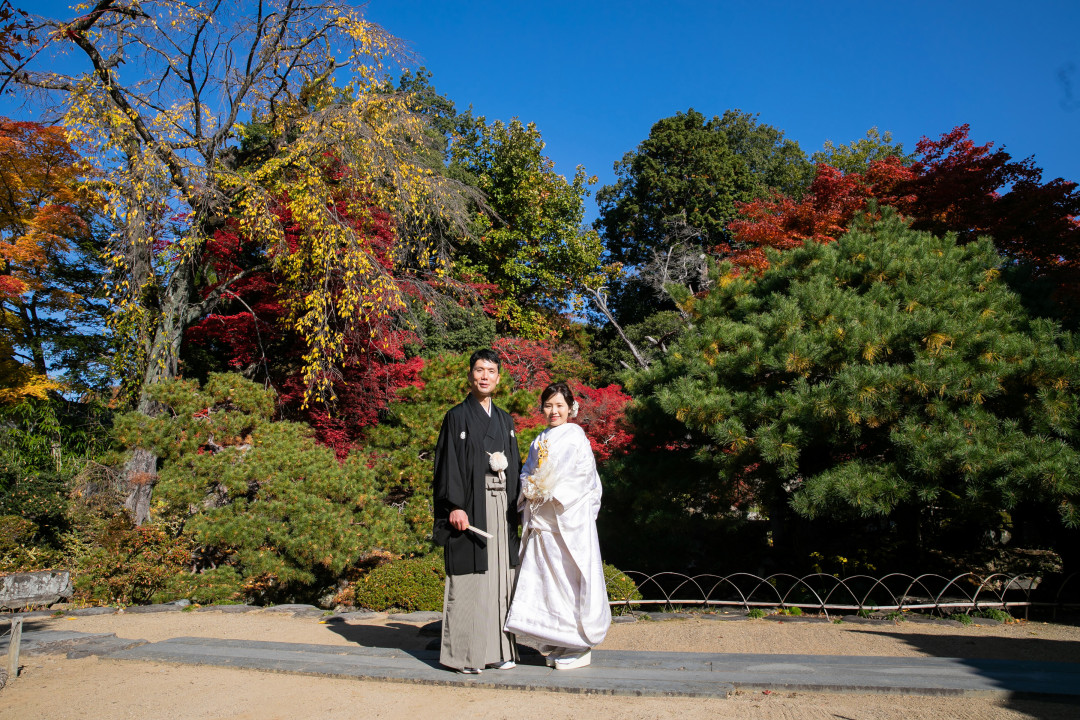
point(599, 296)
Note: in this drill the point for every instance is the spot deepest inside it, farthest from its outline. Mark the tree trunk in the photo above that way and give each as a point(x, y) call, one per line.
point(140, 471)
point(141, 474)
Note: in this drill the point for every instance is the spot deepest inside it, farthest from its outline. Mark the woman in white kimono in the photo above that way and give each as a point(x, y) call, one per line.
point(560, 597)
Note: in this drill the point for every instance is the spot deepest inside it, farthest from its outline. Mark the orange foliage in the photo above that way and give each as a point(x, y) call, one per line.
point(40, 205)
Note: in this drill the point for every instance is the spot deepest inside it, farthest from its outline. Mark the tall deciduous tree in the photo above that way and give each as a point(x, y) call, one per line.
point(858, 155)
point(532, 252)
point(49, 265)
point(165, 133)
point(682, 182)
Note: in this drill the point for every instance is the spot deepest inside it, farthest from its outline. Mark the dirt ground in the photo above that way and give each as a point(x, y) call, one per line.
point(55, 688)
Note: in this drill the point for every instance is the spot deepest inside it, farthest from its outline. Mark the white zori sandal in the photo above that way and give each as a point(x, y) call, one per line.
point(573, 659)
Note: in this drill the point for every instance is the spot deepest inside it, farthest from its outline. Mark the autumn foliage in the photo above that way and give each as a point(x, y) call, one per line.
point(42, 216)
point(251, 332)
point(953, 185)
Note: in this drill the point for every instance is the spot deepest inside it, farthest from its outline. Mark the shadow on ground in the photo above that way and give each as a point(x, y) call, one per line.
point(413, 638)
point(401, 636)
point(976, 649)
point(991, 648)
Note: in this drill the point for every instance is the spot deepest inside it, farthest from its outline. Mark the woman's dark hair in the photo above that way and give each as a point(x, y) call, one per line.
point(559, 388)
point(485, 354)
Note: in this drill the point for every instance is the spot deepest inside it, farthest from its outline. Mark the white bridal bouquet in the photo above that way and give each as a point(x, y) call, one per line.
point(540, 486)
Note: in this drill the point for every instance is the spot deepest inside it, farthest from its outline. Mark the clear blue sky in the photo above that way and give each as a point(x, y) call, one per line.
point(595, 75)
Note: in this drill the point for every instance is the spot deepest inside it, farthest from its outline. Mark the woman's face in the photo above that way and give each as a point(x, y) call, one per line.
point(556, 410)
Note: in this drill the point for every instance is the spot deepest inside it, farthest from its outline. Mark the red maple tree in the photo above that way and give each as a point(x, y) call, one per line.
point(251, 333)
point(953, 185)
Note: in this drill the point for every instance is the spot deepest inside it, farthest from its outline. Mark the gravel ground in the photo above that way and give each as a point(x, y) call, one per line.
point(56, 688)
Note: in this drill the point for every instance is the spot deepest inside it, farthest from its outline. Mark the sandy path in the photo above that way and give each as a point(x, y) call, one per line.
point(55, 688)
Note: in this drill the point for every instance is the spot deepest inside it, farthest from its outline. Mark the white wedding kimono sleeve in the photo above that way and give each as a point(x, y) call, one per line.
point(561, 594)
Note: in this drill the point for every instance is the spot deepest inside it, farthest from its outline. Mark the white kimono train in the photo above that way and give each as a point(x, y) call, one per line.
point(560, 597)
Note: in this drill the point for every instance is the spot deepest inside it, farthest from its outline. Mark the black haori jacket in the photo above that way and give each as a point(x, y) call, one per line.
point(461, 460)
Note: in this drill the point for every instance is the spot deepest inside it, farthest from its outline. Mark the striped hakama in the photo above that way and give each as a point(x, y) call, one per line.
point(475, 605)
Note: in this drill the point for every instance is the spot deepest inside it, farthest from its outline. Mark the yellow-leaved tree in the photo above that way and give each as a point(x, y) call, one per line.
point(161, 92)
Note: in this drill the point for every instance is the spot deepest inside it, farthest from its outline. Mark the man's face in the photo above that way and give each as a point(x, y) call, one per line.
point(483, 378)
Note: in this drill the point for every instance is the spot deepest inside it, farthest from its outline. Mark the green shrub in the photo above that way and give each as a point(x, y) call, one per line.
point(408, 584)
point(793, 611)
point(756, 613)
point(621, 588)
point(132, 565)
point(962, 618)
point(998, 614)
point(895, 616)
point(217, 586)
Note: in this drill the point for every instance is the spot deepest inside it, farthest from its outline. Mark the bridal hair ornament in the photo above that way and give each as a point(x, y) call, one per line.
point(574, 409)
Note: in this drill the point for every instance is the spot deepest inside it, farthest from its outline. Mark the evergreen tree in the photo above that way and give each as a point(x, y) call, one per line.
point(891, 369)
point(257, 496)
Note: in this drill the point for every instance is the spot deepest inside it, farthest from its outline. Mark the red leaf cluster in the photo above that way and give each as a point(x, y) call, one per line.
point(602, 414)
point(528, 362)
point(252, 334)
point(953, 186)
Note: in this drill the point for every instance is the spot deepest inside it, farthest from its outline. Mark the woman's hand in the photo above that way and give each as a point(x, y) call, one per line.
point(459, 520)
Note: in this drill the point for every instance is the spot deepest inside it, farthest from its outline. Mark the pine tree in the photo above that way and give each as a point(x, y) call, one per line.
point(258, 496)
point(890, 369)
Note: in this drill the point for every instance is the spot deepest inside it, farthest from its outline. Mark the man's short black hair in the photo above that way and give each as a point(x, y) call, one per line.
point(485, 354)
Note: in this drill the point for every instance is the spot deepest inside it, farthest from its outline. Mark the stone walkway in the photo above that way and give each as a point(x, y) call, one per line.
point(612, 672)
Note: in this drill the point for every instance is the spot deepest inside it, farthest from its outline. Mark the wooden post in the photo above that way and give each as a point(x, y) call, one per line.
point(13, 648)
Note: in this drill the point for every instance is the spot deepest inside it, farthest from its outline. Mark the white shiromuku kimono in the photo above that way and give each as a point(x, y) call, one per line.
point(560, 597)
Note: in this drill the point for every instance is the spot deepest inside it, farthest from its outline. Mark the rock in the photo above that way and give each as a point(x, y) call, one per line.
point(84, 612)
point(417, 617)
point(860, 620)
point(144, 609)
point(182, 602)
point(23, 590)
point(228, 608)
point(719, 616)
point(623, 619)
point(297, 609)
point(433, 629)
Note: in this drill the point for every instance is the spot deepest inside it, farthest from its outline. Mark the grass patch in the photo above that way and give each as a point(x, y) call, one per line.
point(1002, 616)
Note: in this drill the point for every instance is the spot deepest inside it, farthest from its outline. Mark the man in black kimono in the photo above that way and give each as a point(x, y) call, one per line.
point(477, 469)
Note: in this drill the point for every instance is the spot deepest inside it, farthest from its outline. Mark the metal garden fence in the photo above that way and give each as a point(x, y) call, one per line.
point(820, 592)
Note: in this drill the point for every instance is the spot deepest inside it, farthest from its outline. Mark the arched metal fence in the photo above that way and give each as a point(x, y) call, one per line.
point(829, 594)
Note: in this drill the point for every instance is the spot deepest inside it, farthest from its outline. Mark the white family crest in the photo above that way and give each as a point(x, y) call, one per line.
point(512, 434)
point(462, 434)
